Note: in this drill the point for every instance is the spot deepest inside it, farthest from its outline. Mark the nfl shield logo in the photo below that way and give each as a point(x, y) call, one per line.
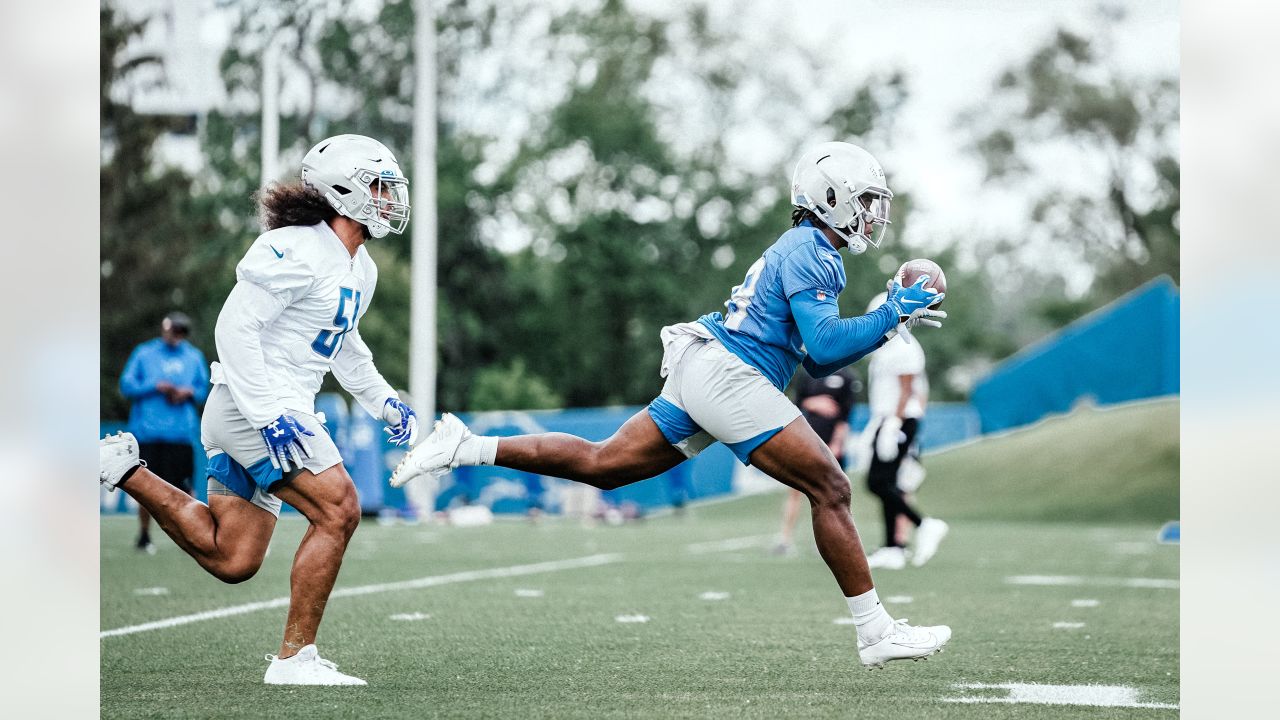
point(822, 295)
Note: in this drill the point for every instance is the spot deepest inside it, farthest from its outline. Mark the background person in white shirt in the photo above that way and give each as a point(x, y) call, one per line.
point(291, 318)
point(897, 392)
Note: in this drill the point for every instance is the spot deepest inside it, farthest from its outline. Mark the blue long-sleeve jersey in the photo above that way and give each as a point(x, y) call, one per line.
point(152, 418)
point(785, 311)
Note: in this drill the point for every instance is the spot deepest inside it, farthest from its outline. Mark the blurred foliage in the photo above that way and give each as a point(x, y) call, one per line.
point(1069, 102)
point(510, 387)
point(563, 247)
point(151, 231)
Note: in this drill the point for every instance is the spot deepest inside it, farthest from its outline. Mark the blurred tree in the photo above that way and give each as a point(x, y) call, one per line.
point(150, 228)
point(1067, 112)
point(583, 200)
point(355, 74)
point(636, 227)
point(509, 386)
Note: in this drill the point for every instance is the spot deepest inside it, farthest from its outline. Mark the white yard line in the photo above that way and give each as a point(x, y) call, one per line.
point(1075, 580)
point(738, 543)
point(419, 583)
point(1036, 694)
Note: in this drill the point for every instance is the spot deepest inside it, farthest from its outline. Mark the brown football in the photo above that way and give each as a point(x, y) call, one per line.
point(911, 271)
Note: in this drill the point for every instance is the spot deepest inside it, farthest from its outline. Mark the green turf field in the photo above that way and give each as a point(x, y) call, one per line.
point(489, 647)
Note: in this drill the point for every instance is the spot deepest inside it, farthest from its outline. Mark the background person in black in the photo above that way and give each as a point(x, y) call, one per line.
point(897, 394)
point(826, 404)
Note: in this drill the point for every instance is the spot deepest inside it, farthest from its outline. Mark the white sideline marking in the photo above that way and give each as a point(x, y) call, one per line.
point(739, 543)
point(1068, 625)
point(527, 593)
point(151, 591)
point(1090, 695)
point(1151, 583)
point(423, 582)
point(899, 599)
point(1085, 602)
point(844, 621)
point(1157, 583)
point(632, 618)
point(410, 616)
point(713, 595)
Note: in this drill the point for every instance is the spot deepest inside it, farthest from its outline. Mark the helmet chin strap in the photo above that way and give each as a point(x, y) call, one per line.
point(856, 242)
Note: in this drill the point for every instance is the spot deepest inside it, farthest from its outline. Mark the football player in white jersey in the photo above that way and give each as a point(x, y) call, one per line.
point(292, 316)
point(898, 391)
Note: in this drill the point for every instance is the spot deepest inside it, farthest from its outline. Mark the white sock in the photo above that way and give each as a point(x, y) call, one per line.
point(869, 616)
point(478, 450)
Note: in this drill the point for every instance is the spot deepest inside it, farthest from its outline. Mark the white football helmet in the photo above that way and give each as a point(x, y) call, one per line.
point(845, 187)
point(361, 180)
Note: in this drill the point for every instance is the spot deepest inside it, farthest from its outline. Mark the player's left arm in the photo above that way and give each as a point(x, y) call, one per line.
point(832, 342)
point(811, 279)
point(353, 367)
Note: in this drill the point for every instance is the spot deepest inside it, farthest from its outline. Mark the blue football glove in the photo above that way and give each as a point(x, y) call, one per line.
point(286, 441)
point(913, 306)
point(908, 300)
point(401, 420)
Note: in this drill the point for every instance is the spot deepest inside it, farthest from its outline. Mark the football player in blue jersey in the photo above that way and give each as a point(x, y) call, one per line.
point(725, 379)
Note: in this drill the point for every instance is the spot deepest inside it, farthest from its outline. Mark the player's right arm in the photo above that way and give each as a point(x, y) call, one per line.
point(271, 277)
point(906, 388)
point(248, 311)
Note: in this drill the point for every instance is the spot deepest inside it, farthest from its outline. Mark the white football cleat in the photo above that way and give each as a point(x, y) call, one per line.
point(306, 668)
point(887, 558)
point(117, 455)
point(928, 536)
point(436, 455)
point(904, 643)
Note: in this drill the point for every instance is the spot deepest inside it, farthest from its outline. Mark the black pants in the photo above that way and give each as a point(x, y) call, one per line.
point(882, 480)
point(172, 461)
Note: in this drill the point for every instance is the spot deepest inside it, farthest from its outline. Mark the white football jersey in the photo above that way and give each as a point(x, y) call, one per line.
point(292, 317)
point(894, 358)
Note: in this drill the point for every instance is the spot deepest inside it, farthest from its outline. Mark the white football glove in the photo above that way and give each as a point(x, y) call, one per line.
point(888, 437)
point(922, 316)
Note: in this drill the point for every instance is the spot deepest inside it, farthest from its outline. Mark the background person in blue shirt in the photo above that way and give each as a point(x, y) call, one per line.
point(165, 378)
point(725, 376)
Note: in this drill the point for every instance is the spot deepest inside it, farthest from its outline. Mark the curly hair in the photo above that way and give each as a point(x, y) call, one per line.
point(799, 215)
point(286, 204)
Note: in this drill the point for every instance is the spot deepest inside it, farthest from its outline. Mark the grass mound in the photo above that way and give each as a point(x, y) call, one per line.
point(1097, 465)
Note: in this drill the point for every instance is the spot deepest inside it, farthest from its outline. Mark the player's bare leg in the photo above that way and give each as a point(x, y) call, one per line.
point(797, 457)
point(790, 513)
point(144, 526)
point(228, 537)
point(637, 451)
point(328, 501)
